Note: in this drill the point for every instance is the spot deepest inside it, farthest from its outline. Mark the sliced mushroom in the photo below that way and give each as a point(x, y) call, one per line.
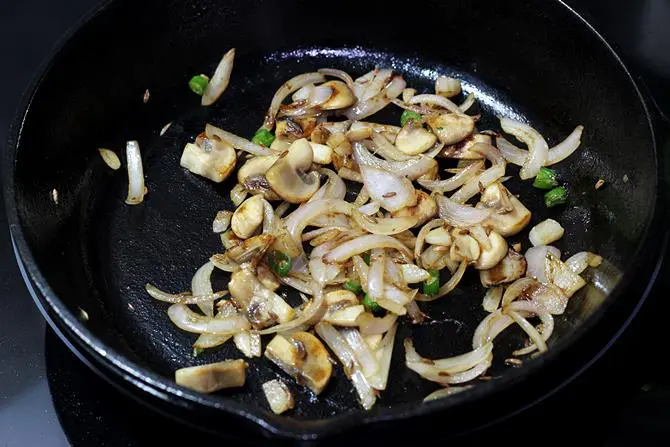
point(435, 257)
point(465, 247)
point(491, 256)
point(249, 343)
point(461, 150)
point(340, 98)
point(302, 356)
point(247, 250)
point(252, 176)
point(292, 129)
point(439, 236)
point(413, 139)
point(511, 215)
point(511, 268)
point(451, 128)
point(267, 278)
point(262, 306)
point(247, 217)
point(211, 158)
point(278, 395)
point(229, 240)
point(425, 208)
point(287, 175)
point(447, 87)
point(432, 173)
point(346, 317)
point(212, 377)
point(323, 154)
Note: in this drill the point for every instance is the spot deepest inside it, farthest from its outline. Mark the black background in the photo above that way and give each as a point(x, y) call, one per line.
point(624, 400)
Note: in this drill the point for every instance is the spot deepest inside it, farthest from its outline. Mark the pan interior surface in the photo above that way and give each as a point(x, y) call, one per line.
point(96, 253)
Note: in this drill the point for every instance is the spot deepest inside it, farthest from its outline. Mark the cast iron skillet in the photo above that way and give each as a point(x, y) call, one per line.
point(533, 59)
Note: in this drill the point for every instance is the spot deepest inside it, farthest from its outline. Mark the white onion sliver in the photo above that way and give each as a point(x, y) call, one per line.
point(364, 243)
point(530, 330)
point(511, 153)
point(460, 215)
point(580, 261)
point(366, 359)
point(412, 168)
point(181, 298)
point(187, 320)
point(201, 284)
point(538, 150)
point(384, 355)
point(341, 349)
point(286, 89)
point(436, 100)
point(343, 75)
point(566, 147)
point(455, 181)
point(492, 299)
point(300, 218)
point(393, 192)
point(376, 274)
point(220, 79)
point(237, 142)
point(445, 392)
point(313, 310)
point(135, 174)
point(536, 257)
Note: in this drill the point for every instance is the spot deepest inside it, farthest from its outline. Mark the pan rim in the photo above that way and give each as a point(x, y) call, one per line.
point(162, 387)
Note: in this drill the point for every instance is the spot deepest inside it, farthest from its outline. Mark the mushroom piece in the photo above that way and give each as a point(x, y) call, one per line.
point(209, 158)
point(447, 87)
point(323, 154)
point(252, 176)
point(435, 257)
point(247, 217)
point(241, 251)
point(287, 175)
point(511, 215)
point(341, 97)
point(249, 343)
point(465, 247)
point(451, 128)
point(262, 306)
point(439, 236)
point(425, 208)
point(302, 356)
point(431, 173)
point(413, 139)
point(491, 256)
point(278, 395)
point(292, 129)
point(511, 268)
point(461, 150)
point(343, 308)
point(212, 377)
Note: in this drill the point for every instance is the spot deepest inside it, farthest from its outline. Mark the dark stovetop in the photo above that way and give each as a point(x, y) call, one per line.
point(49, 398)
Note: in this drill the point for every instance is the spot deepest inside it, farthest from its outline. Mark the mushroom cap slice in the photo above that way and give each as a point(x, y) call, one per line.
point(287, 175)
point(414, 139)
point(247, 217)
point(302, 356)
point(490, 257)
point(212, 159)
point(511, 268)
point(451, 128)
point(510, 217)
point(341, 97)
point(212, 377)
point(425, 208)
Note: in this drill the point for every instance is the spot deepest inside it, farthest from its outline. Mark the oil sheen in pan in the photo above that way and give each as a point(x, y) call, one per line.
point(169, 236)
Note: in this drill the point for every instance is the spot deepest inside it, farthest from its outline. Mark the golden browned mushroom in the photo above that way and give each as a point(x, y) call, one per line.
point(252, 176)
point(212, 159)
point(247, 217)
point(287, 175)
point(439, 236)
point(461, 150)
point(303, 356)
point(262, 306)
point(413, 139)
point(212, 377)
point(511, 268)
point(425, 208)
point(464, 247)
point(451, 128)
point(340, 98)
point(343, 308)
point(489, 257)
point(510, 215)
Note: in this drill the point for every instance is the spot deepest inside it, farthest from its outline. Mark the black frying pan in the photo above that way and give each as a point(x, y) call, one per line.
point(532, 59)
